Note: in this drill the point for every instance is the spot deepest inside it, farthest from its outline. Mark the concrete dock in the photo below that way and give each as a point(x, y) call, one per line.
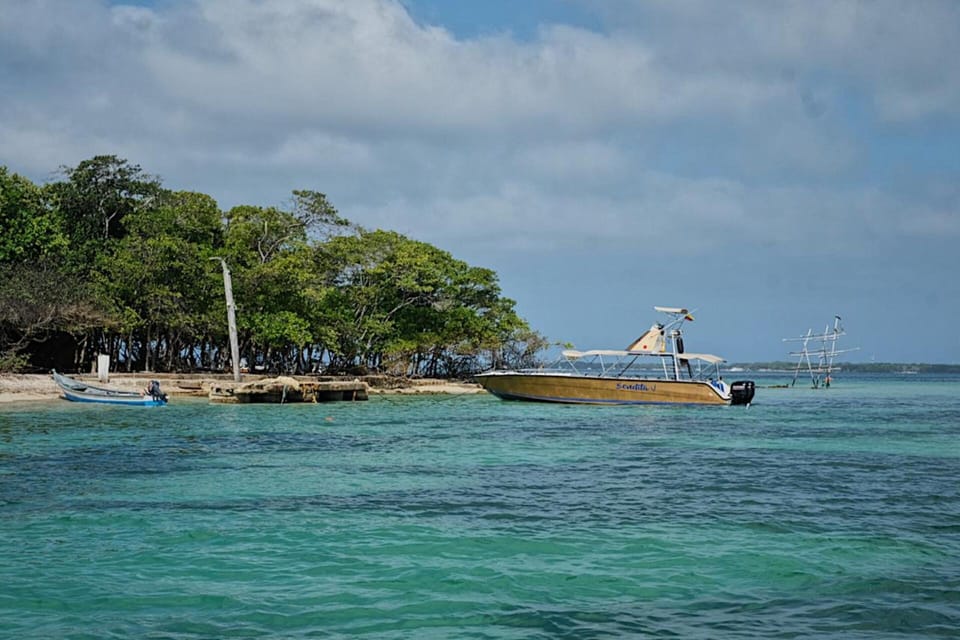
point(285, 389)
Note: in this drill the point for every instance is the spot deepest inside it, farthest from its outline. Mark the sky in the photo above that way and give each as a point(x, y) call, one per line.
point(768, 164)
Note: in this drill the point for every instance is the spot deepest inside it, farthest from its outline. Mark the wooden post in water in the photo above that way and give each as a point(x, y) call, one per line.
point(231, 319)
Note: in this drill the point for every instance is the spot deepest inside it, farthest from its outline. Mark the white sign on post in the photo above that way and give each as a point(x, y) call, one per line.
point(103, 368)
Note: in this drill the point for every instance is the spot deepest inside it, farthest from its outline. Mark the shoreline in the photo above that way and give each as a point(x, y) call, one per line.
point(33, 387)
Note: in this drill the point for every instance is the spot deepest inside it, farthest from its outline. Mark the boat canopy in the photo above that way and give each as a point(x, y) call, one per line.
point(706, 357)
point(616, 353)
point(576, 355)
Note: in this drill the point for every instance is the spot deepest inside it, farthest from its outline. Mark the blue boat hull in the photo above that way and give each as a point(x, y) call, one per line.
point(135, 401)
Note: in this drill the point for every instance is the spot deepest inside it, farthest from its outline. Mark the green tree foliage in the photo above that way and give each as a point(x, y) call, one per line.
point(28, 228)
point(408, 307)
point(39, 305)
point(268, 251)
point(157, 277)
point(318, 216)
point(136, 277)
point(94, 200)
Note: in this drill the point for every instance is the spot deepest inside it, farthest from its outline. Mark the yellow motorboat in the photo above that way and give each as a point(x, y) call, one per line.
point(654, 369)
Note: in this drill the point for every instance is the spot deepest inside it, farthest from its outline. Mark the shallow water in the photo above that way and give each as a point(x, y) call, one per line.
point(812, 514)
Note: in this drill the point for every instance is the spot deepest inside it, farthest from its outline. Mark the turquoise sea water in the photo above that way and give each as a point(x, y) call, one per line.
point(812, 514)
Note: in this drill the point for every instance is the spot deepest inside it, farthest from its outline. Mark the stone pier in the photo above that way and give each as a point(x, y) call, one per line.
point(285, 389)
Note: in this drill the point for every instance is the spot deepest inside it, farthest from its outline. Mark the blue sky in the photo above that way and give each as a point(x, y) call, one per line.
point(521, 20)
point(769, 164)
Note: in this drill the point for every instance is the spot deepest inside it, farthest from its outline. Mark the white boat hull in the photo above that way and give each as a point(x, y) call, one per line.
point(77, 391)
point(138, 401)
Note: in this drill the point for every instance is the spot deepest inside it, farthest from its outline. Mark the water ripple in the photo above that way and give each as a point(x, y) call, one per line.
point(807, 516)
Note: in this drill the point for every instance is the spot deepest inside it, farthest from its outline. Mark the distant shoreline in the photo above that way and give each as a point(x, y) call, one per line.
point(781, 366)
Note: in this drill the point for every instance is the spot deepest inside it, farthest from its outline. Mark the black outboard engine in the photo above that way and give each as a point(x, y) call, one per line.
point(741, 392)
point(155, 393)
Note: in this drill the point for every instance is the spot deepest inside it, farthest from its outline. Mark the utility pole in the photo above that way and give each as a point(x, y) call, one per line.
point(231, 319)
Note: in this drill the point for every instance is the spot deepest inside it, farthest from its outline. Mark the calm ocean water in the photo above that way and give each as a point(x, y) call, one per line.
point(812, 514)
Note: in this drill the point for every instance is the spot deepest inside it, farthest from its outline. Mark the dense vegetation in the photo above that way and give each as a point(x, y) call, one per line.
point(107, 260)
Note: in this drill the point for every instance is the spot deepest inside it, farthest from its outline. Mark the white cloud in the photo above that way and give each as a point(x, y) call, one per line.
point(727, 120)
point(367, 65)
point(897, 53)
point(779, 137)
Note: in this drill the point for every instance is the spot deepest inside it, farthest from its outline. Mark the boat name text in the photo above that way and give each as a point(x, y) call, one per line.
point(639, 386)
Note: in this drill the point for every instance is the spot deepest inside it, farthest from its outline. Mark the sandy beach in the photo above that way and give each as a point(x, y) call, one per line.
point(22, 388)
point(35, 387)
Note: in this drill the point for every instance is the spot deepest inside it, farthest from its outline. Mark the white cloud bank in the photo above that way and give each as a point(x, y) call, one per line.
point(680, 128)
point(402, 118)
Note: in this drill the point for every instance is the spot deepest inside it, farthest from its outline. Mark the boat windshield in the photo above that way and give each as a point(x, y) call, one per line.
point(620, 364)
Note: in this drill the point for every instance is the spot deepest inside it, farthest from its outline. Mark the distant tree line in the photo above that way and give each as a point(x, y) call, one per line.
point(107, 260)
point(857, 367)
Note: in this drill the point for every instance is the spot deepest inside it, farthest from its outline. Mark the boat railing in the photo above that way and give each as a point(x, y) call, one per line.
point(620, 364)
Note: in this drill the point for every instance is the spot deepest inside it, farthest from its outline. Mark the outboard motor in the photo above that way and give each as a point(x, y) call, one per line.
point(155, 393)
point(741, 392)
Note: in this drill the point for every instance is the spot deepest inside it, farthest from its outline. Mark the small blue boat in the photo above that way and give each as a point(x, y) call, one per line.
point(77, 391)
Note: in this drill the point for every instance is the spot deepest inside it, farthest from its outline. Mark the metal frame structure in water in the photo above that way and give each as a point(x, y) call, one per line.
point(821, 375)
